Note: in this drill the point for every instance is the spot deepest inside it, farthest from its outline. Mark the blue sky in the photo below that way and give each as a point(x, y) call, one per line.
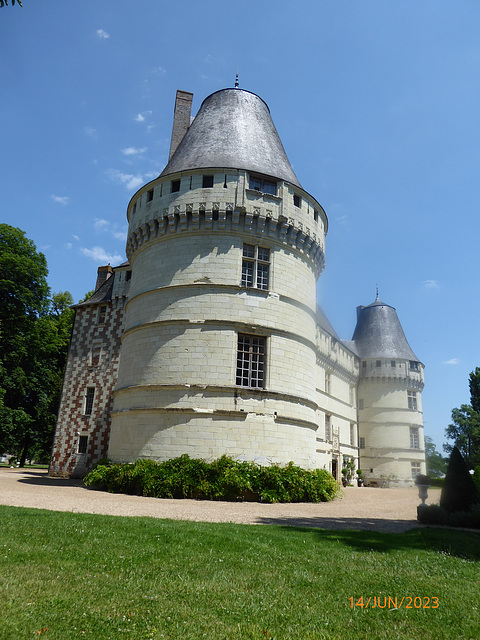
point(377, 105)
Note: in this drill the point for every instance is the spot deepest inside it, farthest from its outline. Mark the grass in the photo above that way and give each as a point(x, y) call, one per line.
point(70, 575)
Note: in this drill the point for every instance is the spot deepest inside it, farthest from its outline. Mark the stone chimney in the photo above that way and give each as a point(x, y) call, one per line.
point(181, 118)
point(103, 274)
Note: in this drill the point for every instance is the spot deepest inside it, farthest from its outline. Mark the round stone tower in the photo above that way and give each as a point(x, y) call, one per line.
point(225, 246)
point(390, 415)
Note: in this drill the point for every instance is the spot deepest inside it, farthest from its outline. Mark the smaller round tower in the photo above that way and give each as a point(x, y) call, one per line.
point(390, 417)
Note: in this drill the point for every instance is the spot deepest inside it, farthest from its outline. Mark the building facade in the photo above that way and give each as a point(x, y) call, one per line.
point(209, 339)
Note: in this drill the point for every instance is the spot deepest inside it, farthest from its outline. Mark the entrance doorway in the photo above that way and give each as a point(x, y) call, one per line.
point(335, 467)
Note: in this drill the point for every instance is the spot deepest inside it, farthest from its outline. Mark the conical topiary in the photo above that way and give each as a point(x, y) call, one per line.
point(459, 492)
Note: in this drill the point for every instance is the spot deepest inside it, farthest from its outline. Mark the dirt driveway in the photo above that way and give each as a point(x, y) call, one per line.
point(363, 508)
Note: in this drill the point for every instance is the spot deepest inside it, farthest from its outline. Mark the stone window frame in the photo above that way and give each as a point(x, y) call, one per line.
point(149, 195)
point(82, 444)
point(297, 201)
point(256, 262)
point(207, 181)
point(251, 365)
point(416, 469)
point(412, 400)
point(328, 427)
point(262, 185)
point(361, 443)
point(88, 401)
point(414, 438)
point(175, 185)
point(102, 313)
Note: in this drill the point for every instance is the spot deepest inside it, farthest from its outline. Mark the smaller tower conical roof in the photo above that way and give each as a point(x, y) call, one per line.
point(379, 334)
point(233, 129)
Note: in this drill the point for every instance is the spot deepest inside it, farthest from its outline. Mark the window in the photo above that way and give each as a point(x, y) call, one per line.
point(378, 363)
point(327, 428)
point(315, 216)
point(89, 401)
point(364, 364)
point(362, 443)
point(128, 276)
point(251, 356)
point(95, 354)
point(134, 207)
point(412, 400)
point(415, 469)
point(413, 365)
point(328, 382)
point(297, 200)
point(102, 312)
point(82, 444)
point(207, 182)
point(150, 195)
point(352, 435)
point(392, 364)
point(175, 186)
point(414, 442)
point(263, 185)
point(255, 266)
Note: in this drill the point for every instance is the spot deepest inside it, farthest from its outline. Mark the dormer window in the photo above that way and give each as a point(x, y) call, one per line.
point(297, 201)
point(263, 185)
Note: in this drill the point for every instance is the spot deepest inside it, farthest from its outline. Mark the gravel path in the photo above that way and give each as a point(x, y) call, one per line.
point(365, 508)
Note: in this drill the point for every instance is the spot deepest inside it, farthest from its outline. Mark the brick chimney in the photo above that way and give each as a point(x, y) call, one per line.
point(181, 118)
point(103, 274)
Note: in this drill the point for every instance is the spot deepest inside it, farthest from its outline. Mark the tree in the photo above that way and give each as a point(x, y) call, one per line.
point(465, 428)
point(458, 492)
point(34, 336)
point(436, 464)
point(5, 2)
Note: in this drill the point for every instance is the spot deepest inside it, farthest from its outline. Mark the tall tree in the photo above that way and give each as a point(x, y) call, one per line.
point(34, 335)
point(436, 464)
point(464, 430)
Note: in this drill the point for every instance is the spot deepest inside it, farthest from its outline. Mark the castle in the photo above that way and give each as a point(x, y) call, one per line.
point(208, 340)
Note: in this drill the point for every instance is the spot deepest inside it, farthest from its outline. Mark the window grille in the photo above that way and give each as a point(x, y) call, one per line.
point(251, 356)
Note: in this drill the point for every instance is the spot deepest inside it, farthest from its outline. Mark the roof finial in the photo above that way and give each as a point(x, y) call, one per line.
point(236, 80)
point(377, 298)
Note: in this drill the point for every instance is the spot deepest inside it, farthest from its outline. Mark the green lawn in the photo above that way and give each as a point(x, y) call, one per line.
point(65, 575)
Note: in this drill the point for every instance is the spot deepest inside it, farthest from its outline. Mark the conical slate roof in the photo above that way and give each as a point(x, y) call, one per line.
point(379, 334)
point(233, 129)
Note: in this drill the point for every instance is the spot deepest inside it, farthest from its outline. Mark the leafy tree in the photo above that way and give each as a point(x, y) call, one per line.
point(465, 428)
point(436, 464)
point(5, 2)
point(34, 336)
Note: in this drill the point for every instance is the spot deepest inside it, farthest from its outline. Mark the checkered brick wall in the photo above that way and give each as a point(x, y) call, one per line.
point(87, 368)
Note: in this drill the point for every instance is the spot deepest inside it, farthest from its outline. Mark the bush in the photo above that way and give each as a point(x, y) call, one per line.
point(458, 492)
point(435, 514)
point(223, 479)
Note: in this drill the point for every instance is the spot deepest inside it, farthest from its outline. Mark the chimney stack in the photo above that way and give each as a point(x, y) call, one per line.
point(181, 118)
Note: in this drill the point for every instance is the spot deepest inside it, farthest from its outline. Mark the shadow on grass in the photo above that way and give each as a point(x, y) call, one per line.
point(358, 524)
point(459, 543)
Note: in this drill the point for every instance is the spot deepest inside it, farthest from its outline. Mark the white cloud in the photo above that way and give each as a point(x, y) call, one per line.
point(104, 226)
point(76, 237)
point(140, 117)
point(452, 361)
point(134, 151)
point(342, 220)
point(431, 284)
point(160, 71)
point(60, 199)
point(68, 245)
point(129, 180)
point(103, 35)
point(100, 224)
point(99, 254)
point(91, 132)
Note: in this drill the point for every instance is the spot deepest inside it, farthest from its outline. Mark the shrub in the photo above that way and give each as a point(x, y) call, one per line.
point(458, 492)
point(435, 514)
point(222, 479)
